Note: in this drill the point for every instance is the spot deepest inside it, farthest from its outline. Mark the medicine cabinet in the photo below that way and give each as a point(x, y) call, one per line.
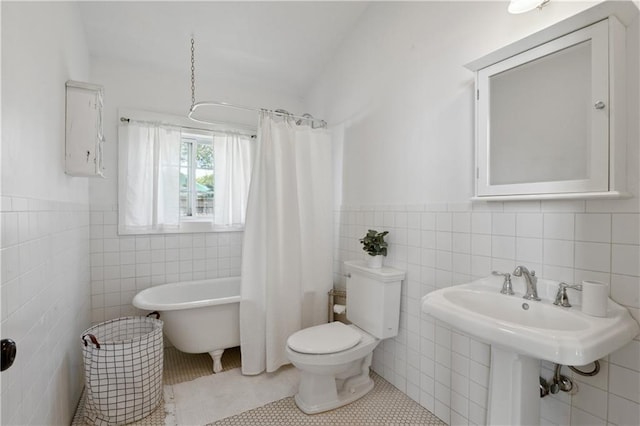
point(551, 113)
point(83, 129)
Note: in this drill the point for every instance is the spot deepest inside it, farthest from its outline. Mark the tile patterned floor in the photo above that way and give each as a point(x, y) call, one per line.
point(384, 405)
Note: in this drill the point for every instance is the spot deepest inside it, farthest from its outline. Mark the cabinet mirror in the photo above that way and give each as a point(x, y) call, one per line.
point(544, 119)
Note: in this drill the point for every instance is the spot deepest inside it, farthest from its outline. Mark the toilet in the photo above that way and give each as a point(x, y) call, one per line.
point(334, 358)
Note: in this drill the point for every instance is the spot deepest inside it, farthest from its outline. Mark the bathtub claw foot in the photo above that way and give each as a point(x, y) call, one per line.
point(217, 363)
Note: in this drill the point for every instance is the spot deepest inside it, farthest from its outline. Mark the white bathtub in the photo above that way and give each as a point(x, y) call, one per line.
point(199, 316)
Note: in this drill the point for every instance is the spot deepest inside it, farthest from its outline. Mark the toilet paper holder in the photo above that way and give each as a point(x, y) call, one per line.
point(337, 297)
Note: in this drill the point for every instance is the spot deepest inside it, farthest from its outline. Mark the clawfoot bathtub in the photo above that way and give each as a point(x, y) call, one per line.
point(199, 316)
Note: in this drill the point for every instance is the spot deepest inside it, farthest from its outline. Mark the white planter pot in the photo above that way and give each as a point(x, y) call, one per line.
point(375, 262)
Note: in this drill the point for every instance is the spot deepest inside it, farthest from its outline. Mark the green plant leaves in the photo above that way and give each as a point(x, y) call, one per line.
point(374, 243)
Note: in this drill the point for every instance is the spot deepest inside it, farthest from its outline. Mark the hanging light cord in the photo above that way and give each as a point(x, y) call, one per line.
point(193, 73)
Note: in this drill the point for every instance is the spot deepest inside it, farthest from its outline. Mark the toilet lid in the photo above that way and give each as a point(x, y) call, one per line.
point(324, 339)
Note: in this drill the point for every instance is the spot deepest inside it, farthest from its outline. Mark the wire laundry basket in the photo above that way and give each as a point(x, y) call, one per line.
point(123, 362)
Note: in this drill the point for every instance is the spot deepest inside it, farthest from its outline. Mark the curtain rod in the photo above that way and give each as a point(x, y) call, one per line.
point(195, 105)
point(128, 120)
point(279, 112)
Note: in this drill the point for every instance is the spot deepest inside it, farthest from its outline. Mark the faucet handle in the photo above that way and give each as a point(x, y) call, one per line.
point(564, 285)
point(507, 287)
point(562, 299)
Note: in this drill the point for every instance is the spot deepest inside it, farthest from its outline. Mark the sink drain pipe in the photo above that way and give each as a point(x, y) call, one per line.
point(563, 383)
point(596, 369)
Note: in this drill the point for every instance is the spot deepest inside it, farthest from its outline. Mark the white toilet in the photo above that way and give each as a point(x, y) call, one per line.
point(334, 358)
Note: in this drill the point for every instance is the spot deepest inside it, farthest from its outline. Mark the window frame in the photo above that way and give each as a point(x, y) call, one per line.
point(194, 139)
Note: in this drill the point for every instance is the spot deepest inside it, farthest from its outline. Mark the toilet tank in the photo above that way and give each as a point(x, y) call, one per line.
point(373, 298)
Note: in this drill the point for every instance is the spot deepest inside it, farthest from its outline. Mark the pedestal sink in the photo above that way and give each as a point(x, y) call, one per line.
point(523, 332)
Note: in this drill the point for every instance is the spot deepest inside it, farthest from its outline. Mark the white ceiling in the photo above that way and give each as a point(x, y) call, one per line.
point(284, 44)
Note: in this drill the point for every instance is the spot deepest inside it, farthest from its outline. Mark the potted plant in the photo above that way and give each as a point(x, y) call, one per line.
point(375, 245)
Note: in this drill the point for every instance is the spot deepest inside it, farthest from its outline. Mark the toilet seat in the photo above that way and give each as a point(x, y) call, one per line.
point(324, 339)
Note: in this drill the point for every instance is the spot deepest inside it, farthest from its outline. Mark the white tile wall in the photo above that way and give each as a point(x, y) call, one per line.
point(622, 411)
point(448, 372)
point(121, 266)
point(45, 307)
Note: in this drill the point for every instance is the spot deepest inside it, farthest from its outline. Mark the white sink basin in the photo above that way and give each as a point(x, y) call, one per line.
point(540, 330)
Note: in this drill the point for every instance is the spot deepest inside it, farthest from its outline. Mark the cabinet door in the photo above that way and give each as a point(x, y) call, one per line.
point(83, 151)
point(543, 118)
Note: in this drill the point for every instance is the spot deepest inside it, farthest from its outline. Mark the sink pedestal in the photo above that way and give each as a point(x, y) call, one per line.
point(514, 394)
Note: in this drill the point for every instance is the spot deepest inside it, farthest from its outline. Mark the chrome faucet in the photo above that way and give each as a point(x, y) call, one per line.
point(530, 280)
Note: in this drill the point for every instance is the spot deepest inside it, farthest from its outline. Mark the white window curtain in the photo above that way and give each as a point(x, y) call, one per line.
point(149, 177)
point(233, 159)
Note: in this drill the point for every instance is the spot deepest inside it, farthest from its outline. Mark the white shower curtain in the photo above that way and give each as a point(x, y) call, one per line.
point(287, 251)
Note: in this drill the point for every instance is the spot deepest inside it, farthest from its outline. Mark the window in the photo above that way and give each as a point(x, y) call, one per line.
point(196, 176)
point(174, 178)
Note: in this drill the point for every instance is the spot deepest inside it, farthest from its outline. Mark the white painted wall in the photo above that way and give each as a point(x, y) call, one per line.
point(45, 215)
point(123, 265)
point(401, 106)
point(399, 93)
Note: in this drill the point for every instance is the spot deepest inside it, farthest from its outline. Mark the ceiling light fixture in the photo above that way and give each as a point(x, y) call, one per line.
point(522, 6)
